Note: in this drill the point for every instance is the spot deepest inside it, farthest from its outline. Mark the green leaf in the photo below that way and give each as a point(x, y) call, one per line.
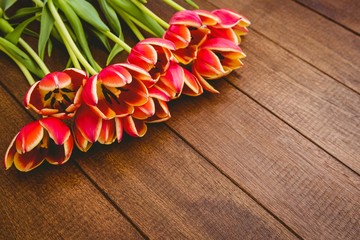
point(103, 39)
point(78, 29)
point(49, 47)
point(5, 4)
point(21, 57)
point(131, 9)
point(15, 35)
point(88, 13)
point(115, 51)
point(25, 12)
point(46, 25)
point(111, 17)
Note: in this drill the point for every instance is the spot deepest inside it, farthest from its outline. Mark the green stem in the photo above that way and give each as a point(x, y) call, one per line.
point(72, 55)
point(140, 24)
point(118, 41)
point(34, 55)
point(150, 13)
point(22, 67)
point(67, 38)
point(174, 5)
point(131, 25)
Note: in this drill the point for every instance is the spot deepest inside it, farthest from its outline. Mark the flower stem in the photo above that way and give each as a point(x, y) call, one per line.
point(132, 26)
point(118, 41)
point(34, 55)
point(22, 67)
point(67, 38)
point(150, 13)
point(174, 5)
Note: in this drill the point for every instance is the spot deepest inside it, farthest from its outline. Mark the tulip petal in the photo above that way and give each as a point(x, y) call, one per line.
point(58, 131)
point(135, 94)
point(54, 80)
point(10, 153)
point(145, 111)
point(174, 78)
point(207, 18)
point(107, 133)
point(204, 83)
point(119, 129)
point(230, 19)
point(179, 34)
point(77, 76)
point(192, 86)
point(162, 112)
point(88, 123)
point(226, 33)
point(29, 95)
point(221, 44)
point(134, 127)
point(82, 143)
point(208, 64)
point(89, 94)
point(139, 73)
point(186, 17)
point(114, 76)
point(56, 154)
point(158, 42)
point(30, 160)
point(157, 92)
point(145, 56)
point(29, 137)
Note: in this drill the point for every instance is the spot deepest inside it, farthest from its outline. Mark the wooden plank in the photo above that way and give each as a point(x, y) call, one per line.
point(171, 192)
point(51, 202)
point(316, 105)
point(345, 12)
point(306, 188)
point(326, 45)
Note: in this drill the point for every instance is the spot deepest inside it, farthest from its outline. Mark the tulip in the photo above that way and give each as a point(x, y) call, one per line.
point(216, 58)
point(153, 55)
point(57, 94)
point(89, 128)
point(231, 25)
point(187, 32)
point(153, 111)
point(47, 138)
point(114, 92)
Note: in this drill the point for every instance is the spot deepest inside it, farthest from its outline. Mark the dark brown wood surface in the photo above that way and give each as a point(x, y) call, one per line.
point(275, 155)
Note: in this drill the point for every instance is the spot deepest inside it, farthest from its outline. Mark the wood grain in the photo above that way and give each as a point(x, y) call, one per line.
point(305, 187)
point(51, 202)
point(171, 192)
point(345, 12)
point(311, 102)
point(324, 44)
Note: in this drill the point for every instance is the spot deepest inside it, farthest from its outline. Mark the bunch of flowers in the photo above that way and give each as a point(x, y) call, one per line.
point(81, 107)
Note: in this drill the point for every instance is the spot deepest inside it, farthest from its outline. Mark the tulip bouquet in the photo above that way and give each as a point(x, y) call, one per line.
point(85, 103)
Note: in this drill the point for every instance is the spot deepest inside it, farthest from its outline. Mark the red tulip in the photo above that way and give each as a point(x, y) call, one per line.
point(231, 25)
point(47, 138)
point(187, 32)
point(153, 55)
point(216, 58)
point(114, 92)
point(57, 94)
point(89, 128)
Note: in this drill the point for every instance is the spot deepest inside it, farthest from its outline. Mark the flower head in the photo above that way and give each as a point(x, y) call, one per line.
point(153, 55)
point(188, 31)
point(115, 91)
point(231, 25)
point(216, 58)
point(47, 138)
point(89, 128)
point(57, 94)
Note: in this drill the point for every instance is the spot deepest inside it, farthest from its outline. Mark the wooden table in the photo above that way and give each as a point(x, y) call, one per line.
point(275, 155)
